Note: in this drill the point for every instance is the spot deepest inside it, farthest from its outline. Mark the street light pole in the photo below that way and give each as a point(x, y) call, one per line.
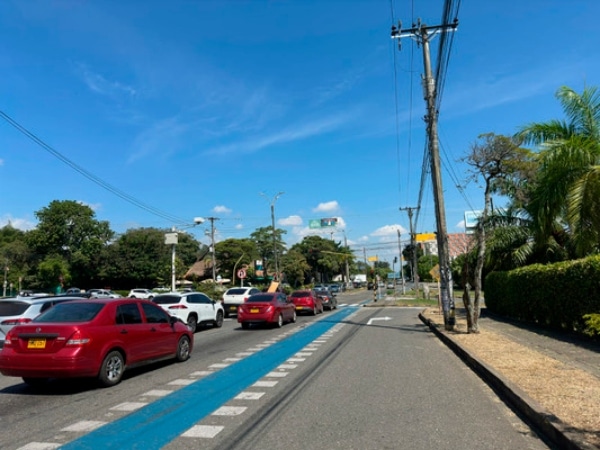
point(279, 194)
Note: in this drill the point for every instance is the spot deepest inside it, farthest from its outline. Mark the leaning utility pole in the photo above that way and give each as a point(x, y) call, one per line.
point(413, 243)
point(422, 34)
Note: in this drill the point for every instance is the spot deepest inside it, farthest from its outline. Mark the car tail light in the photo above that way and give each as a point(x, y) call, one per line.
point(245, 298)
point(15, 321)
point(178, 307)
point(7, 339)
point(77, 339)
point(270, 308)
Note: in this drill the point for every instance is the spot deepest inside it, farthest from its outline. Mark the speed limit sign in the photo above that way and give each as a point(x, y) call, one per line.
point(241, 273)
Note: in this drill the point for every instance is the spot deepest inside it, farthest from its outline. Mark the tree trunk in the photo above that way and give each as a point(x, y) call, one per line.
point(480, 258)
point(466, 297)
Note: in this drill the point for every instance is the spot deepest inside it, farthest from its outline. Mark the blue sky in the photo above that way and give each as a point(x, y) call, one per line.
point(195, 108)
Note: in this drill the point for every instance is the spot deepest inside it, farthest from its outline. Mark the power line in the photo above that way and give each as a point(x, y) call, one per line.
point(90, 176)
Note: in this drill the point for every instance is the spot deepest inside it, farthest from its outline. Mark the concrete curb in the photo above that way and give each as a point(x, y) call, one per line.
point(551, 428)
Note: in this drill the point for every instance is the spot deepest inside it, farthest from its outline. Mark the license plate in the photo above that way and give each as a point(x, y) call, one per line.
point(233, 308)
point(254, 310)
point(298, 307)
point(36, 343)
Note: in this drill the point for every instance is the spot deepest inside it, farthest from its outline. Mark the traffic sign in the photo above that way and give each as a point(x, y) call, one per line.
point(241, 273)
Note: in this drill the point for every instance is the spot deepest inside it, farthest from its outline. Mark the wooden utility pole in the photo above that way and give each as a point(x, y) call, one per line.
point(401, 263)
point(422, 34)
point(212, 248)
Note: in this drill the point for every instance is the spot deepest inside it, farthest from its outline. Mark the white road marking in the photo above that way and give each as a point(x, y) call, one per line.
point(40, 446)
point(218, 366)
point(181, 382)
point(229, 411)
point(287, 366)
point(203, 431)
point(249, 395)
point(84, 425)
point(265, 384)
point(378, 318)
point(201, 373)
point(158, 393)
point(128, 406)
point(277, 374)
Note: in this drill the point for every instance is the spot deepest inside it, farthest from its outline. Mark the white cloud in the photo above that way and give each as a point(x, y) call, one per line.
point(100, 85)
point(327, 207)
point(291, 134)
point(93, 206)
point(221, 209)
point(1, 162)
point(389, 230)
point(19, 224)
point(239, 226)
point(290, 221)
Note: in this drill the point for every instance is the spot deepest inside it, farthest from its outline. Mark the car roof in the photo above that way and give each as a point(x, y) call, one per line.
point(41, 299)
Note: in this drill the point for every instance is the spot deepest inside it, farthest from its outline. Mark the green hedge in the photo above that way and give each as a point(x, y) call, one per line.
point(553, 295)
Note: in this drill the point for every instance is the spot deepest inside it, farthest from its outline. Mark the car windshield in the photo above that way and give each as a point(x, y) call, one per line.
point(300, 294)
point(260, 298)
point(70, 312)
point(13, 308)
point(166, 299)
point(236, 291)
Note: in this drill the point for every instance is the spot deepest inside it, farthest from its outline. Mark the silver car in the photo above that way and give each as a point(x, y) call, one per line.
point(20, 310)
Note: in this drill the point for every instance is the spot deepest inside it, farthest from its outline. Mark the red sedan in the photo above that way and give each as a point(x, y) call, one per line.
point(93, 338)
point(307, 301)
point(271, 308)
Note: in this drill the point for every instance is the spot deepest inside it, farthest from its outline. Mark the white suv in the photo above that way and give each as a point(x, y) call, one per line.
point(103, 293)
point(193, 308)
point(235, 296)
point(141, 293)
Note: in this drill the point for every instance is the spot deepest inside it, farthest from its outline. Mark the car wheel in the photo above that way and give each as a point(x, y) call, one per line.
point(192, 323)
point(112, 369)
point(183, 349)
point(279, 322)
point(314, 311)
point(294, 317)
point(245, 325)
point(219, 320)
point(35, 382)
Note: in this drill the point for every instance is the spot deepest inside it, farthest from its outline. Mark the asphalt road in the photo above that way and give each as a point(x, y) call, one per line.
point(354, 378)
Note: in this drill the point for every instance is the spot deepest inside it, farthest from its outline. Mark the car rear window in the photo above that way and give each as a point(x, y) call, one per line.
point(236, 292)
point(300, 294)
point(13, 308)
point(71, 312)
point(260, 298)
point(166, 299)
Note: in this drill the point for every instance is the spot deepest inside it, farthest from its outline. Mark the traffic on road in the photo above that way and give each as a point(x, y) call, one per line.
point(335, 380)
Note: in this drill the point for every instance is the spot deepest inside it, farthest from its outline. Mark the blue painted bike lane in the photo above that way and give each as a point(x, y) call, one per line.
point(162, 421)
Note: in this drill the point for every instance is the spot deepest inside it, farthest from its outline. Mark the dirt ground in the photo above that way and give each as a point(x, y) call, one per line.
point(570, 394)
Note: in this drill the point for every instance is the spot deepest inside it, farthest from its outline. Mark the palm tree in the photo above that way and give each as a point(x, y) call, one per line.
point(567, 189)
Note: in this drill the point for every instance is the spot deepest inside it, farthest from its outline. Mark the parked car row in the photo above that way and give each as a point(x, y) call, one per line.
point(93, 334)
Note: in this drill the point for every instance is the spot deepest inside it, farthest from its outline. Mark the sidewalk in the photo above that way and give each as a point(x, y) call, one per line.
point(550, 379)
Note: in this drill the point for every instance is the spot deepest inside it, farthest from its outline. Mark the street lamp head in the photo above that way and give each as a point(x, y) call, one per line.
point(198, 220)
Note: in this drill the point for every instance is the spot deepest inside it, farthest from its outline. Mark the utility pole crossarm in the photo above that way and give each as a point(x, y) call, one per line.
point(421, 30)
